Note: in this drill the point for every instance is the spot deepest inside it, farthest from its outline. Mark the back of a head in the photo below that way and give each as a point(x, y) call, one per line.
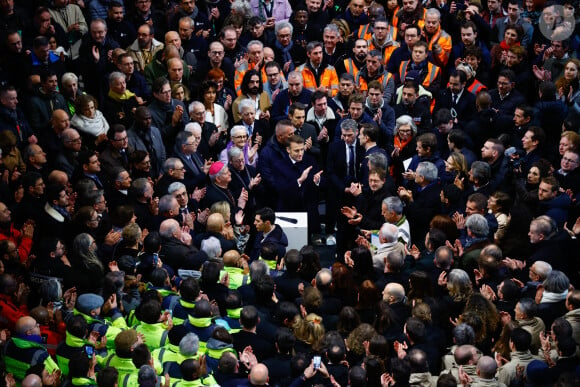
point(418, 361)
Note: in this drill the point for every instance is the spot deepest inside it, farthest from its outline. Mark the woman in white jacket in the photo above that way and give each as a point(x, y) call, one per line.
point(88, 119)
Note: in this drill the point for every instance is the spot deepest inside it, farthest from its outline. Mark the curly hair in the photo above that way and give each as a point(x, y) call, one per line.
point(356, 338)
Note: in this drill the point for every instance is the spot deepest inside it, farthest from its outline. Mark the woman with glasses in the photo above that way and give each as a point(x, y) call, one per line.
point(239, 139)
point(404, 145)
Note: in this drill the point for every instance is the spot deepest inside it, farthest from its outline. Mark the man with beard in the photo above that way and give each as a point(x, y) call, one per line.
point(339, 104)
point(380, 111)
point(146, 13)
point(44, 102)
point(356, 112)
point(493, 154)
point(374, 71)
point(352, 63)
point(383, 39)
point(297, 180)
point(252, 89)
point(412, 12)
point(412, 105)
point(54, 220)
point(120, 29)
point(144, 48)
point(456, 98)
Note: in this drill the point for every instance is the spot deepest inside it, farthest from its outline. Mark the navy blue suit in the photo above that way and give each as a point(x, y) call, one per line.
point(292, 197)
point(465, 106)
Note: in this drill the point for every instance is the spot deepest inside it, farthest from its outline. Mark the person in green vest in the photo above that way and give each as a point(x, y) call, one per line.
point(237, 269)
point(125, 344)
point(25, 349)
point(76, 331)
point(179, 349)
point(219, 342)
point(93, 307)
point(154, 325)
point(82, 370)
point(142, 357)
point(193, 372)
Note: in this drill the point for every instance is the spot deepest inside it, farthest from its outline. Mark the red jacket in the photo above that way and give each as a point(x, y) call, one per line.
point(9, 312)
point(23, 244)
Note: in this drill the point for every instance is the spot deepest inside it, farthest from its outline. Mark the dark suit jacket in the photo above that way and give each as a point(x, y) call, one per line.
point(337, 168)
point(262, 348)
point(111, 158)
point(465, 107)
point(309, 131)
point(291, 197)
point(425, 205)
point(194, 176)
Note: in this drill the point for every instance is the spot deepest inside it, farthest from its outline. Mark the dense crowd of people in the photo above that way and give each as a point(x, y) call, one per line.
point(147, 148)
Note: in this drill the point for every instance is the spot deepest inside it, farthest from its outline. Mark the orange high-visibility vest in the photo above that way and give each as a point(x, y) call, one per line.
point(328, 79)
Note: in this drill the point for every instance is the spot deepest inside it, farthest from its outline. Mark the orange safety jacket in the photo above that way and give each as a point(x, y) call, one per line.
point(476, 87)
point(328, 79)
point(420, 22)
point(432, 72)
point(443, 39)
point(362, 83)
point(350, 67)
point(386, 51)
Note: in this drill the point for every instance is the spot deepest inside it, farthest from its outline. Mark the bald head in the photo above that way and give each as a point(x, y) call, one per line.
point(168, 228)
point(393, 293)
point(215, 223)
point(24, 324)
point(465, 354)
point(259, 375)
point(323, 278)
point(32, 380)
point(486, 367)
point(231, 258)
point(59, 120)
point(58, 177)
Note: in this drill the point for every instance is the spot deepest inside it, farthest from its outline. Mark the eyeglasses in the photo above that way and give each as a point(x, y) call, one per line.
point(179, 169)
point(217, 53)
point(121, 139)
point(569, 160)
point(74, 141)
point(189, 143)
point(244, 136)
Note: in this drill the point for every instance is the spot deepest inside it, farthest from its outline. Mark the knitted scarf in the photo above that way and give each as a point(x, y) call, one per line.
point(286, 56)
